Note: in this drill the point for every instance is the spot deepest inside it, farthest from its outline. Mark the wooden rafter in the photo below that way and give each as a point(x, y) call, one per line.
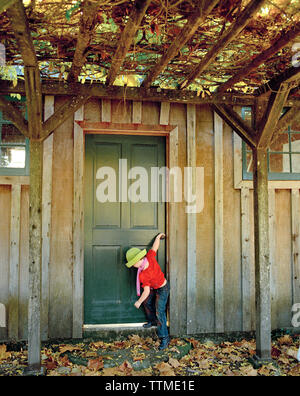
point(283, 40)
point(291, 75)
point(127, 36)
point(14, 115)
point(62, 114)
point(88, 22)
point(192, 24)
point(236, 122)
point(231, 33)
point(272, 114)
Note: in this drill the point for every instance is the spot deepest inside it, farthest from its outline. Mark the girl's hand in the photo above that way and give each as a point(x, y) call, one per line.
point(161, 236)
point(137, 304)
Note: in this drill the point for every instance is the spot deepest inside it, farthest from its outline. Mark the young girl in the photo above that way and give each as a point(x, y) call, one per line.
point(156, 288)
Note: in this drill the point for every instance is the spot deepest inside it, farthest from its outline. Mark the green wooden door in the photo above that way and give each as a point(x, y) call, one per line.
point(113, 227)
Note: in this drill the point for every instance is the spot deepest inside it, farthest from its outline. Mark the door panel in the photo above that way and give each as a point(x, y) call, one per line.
point(111, 228)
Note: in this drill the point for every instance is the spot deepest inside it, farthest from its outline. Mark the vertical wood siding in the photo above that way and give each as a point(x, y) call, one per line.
point(219, 297)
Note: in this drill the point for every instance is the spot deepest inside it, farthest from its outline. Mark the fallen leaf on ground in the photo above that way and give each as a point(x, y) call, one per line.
point(165, 369)
point(95, 364)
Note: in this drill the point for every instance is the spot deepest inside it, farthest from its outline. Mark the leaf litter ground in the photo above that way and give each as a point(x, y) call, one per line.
point(139, 356)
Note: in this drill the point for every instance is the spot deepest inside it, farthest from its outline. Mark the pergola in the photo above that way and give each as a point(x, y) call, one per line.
point(223, 53)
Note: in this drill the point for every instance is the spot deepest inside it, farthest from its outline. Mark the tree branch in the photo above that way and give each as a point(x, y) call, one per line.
point(127, 36)
point(283, 40)
point(88, 21)
point(186, 34)
point(230, 34)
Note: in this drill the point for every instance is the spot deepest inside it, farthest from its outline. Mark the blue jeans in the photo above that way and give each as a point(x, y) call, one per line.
point(155, 307)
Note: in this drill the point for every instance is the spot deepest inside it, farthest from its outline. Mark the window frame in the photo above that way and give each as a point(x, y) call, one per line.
point(14, 171)
point(276, 176)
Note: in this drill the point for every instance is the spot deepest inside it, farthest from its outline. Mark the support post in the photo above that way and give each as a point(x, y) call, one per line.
point(262, 255)
point(35, 254)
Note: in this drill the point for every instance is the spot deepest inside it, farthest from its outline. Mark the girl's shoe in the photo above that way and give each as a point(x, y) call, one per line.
point(148, 325)
point(164, 343)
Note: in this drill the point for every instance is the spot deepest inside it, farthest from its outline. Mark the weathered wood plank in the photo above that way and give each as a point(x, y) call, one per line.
point(219, 250)
point(173, 237)
point(136, 112)
point(296, 245)
point(246, 259)
point(262, 254)
point(191, 224)
point(164, 113)
point(272, 239)
point(35, 254)
point(46, 219)
point(13, 304)
point(106, 110)
point(78, 227)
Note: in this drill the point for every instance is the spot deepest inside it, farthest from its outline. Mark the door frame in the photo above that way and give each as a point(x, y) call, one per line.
point(81, 128)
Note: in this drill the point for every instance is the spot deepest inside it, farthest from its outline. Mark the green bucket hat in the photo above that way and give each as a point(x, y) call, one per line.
point(134, 255)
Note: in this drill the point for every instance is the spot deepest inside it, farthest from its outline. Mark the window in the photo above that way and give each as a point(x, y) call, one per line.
point(14, 147)
point(283, 154)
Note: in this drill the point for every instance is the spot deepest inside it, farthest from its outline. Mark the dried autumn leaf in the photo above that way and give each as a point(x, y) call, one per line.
point(125, 366)
point(95, 364)
point(286, 339)
point(248, 371)
point(70, 348)
point(165, 369)
point(3, 353)
point(174, 362)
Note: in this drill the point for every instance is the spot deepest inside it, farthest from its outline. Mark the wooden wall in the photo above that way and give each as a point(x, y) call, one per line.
point(224, 272)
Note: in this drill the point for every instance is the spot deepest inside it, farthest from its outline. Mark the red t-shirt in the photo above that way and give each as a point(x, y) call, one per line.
point(153, 275)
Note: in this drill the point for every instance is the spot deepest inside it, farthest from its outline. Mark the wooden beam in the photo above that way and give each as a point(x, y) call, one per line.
point(191, 225)
point(192, 24)
point(272, 115)
point(88, 22)
point(135, 18)
point(262, 255)
point(14, 115)
point(291, 75)
point(46, 221)
point(283, 40)
point(62, 114)
point(98, 90)
point(35, 255)
point(219, 224)
point(231, 33)
point(14, 263)
point(34, 100)
point(78, 226)
point(235, 121)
